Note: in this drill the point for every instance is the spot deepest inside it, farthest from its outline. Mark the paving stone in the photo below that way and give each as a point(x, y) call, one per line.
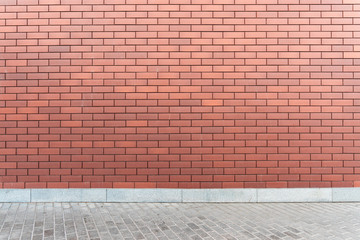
point(102, 221)
point(37, 237)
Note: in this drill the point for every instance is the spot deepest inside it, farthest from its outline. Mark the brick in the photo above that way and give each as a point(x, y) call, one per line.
point(144, 86)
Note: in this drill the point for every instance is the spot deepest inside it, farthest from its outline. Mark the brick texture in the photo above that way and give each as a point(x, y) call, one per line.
point(179, 93)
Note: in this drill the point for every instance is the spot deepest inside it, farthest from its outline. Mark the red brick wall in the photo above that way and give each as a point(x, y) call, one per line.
point(179, 93)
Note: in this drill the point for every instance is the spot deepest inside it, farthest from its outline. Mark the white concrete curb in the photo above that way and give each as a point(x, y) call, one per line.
point(181, 195)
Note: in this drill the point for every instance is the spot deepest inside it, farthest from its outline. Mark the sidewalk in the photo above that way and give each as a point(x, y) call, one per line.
point(179, 221)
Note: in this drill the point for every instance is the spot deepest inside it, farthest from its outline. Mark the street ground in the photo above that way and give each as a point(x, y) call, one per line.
point(217, 221)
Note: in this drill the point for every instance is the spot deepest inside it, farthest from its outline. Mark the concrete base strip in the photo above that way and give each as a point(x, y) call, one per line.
point(182, 195)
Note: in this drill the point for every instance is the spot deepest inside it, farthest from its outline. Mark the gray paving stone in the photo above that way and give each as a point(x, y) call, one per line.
point(68, 195)
point(15, 195)
point(346, 195)
point(269, 221)
point(144, 195)
point(295, 195)
point(219, 195)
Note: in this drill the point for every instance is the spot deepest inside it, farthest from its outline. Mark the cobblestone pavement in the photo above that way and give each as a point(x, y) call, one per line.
point(179, 221)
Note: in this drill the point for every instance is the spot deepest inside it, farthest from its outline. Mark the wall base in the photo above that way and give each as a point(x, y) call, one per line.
point(182, 195)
